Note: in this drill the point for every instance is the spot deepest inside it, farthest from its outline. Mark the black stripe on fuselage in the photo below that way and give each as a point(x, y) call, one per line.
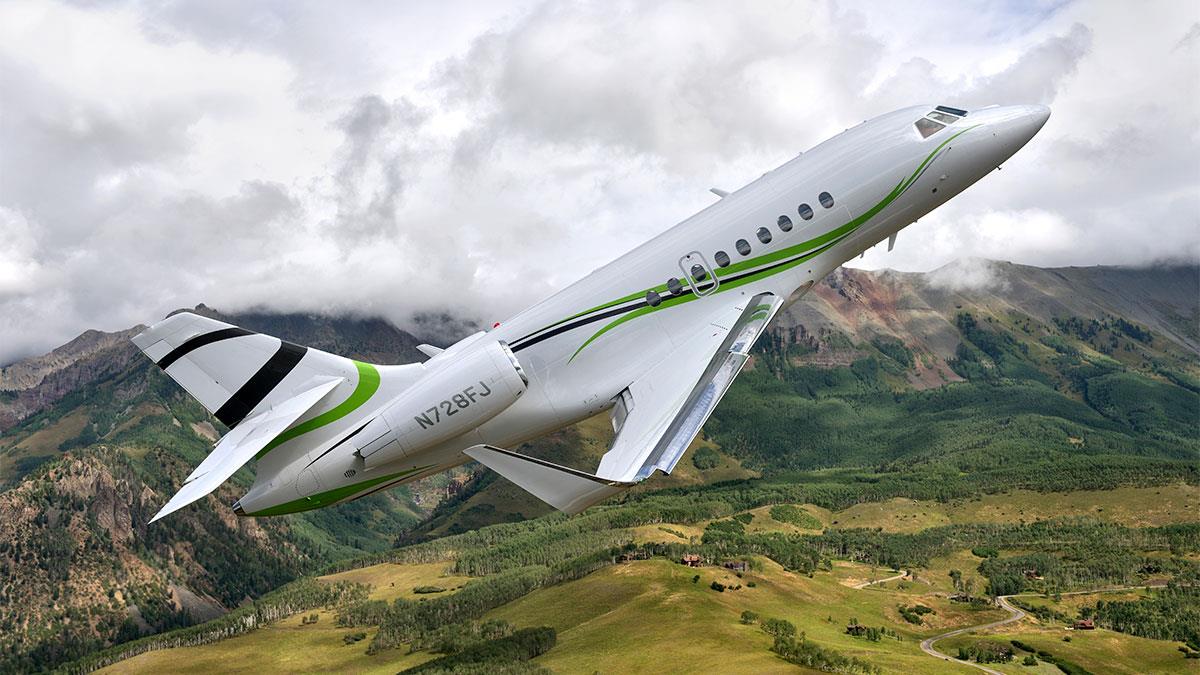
point(350, 435)
point(534, 338)
point(261, 383)
point(199, 341)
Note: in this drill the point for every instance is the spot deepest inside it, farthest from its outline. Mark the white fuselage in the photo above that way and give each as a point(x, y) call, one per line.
point(582, 346)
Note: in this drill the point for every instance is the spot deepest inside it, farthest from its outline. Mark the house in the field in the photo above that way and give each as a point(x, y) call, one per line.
point(737, 565)
point(690, 559)
point(1085, 624)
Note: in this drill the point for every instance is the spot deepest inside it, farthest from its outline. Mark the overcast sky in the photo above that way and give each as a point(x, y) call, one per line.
point(471, 157)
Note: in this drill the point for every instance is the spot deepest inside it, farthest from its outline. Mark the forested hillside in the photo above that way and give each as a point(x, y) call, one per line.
point(878, 386)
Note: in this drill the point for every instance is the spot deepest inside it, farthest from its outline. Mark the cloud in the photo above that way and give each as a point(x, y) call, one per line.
point(968, 275)
point(450, 163)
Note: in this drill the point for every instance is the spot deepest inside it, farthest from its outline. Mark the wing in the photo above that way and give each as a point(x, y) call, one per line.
point(655, 418)
point(244, 441)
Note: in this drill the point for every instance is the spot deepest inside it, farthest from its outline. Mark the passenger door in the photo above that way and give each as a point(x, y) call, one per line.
point(698, 273)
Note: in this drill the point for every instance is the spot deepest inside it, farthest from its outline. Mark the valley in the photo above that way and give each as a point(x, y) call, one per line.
point(1034, 436)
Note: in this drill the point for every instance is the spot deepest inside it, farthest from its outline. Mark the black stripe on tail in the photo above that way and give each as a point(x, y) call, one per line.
point(199, 341)
point(261, 383)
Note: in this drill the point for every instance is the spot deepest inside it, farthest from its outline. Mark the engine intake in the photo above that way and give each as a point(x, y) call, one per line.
point(470, 388)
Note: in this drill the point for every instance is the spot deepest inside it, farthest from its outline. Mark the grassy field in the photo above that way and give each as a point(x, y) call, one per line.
point(1134, 507)
point(390, 581)
point(606, 619)
point(285, 646)
point(1100, 651)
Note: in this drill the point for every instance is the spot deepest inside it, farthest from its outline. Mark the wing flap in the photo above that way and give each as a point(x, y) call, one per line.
point(244, 441)
point(673, 400)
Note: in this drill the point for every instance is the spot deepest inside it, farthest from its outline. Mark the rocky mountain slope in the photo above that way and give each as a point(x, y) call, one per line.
point(94, 440)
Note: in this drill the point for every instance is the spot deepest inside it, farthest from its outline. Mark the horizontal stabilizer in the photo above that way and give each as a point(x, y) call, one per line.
point(244, 441)
point(565, 489)
point(429, 350)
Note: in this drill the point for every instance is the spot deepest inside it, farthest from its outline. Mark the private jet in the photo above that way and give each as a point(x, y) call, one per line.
point(655, 337)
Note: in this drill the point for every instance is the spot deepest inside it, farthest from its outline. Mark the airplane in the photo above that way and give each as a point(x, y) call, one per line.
point(655, 337)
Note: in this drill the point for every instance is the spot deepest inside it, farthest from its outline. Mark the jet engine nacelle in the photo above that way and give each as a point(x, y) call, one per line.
point(472, 386)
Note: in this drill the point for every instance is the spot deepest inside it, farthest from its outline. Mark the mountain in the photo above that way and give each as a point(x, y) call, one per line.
point(1046, 365)
point(95, 439)
point(982, 376)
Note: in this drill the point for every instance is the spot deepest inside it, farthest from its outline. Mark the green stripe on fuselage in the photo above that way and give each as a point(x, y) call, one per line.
point(766, 259)
point(368, 384)
point(331, 496)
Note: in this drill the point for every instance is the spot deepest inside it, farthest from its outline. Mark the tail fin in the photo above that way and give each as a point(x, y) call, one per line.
point(268, 391)
point(232, 371)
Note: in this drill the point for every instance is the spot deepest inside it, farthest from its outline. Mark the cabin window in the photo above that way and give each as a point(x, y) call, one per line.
point(674, 286)
point(826, 200)
point(928, 127)
point(653, 298)
point(742, 246)
point(764, 235)
point(699, 273)
point(806, 212)
point(722, 258)
point(785, 223)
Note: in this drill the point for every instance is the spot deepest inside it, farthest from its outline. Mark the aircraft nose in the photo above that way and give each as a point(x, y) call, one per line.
point(1012, 127)
point(1033, 118)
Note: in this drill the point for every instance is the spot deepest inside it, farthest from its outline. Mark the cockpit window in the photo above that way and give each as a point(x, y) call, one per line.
point(943, 117)
point(952, 111)
point(928, 127)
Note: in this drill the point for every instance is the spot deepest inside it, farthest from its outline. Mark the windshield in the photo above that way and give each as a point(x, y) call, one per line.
point(943, 117)
point(928, 127)
point(937, 119)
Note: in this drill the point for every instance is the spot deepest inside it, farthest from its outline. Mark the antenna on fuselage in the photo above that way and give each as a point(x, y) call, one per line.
point(719, 192)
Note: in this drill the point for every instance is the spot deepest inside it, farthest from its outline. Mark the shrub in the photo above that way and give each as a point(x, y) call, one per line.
point(780, 628)
point(705, 458)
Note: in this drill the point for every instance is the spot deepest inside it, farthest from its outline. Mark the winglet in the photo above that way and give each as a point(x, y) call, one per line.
point(564, 488)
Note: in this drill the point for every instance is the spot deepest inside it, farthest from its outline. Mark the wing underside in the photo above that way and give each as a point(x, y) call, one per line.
point(655, 418)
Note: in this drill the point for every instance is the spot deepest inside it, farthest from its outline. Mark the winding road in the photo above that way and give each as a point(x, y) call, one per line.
point(878, 581)
point(1015, 614)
